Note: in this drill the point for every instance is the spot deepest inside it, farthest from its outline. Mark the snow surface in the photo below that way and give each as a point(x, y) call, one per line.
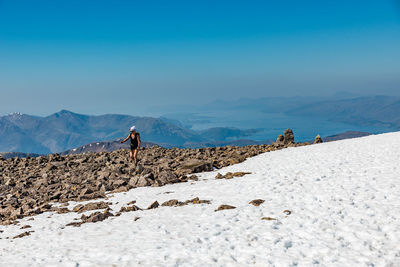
point(344, 197)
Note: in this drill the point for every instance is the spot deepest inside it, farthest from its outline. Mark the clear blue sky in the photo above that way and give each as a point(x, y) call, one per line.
point(126, 56)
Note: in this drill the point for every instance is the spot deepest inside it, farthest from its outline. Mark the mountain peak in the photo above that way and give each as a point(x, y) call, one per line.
point(14, 114)
point(64, 111)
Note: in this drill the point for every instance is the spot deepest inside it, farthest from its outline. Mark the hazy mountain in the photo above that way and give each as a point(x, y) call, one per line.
point(382, 111)
point(14, 138)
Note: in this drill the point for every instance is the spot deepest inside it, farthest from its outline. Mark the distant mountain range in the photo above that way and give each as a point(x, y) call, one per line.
point(380, 111)
point(65, 130)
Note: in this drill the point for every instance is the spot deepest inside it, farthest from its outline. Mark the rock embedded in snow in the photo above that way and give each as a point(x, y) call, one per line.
point(256, 202)
point(90, 206)
point(193, 177)
point(154, 205)
point(268, 219)
point(129, 208)
point(170, 203)
point(96, 217)
point(23, 234)
point(287, 212)
point(225, 207)
point(175, 202)
point(230, 175)
point(62, 210)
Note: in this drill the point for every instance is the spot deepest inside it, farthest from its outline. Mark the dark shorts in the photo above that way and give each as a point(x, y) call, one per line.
point(134, 146)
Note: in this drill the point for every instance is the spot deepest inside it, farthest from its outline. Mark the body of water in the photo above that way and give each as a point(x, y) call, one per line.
point(273, 124)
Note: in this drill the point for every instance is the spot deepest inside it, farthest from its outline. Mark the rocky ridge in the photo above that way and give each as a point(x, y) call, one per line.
point(30, 186)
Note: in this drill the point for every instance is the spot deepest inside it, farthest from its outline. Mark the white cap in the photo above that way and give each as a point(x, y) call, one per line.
point(133, 128)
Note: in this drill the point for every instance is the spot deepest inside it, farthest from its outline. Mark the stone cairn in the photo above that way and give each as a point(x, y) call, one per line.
point(287, 139)
point(318, 140)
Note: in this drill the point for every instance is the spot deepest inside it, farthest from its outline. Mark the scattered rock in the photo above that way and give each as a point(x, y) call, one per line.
point(96, 217)
point(175, 202)
point(154, 205)
point(129, 209)
point(90, 206)
point(62, 210)
point(26, 226)
point(136, 218)
point(268, 219)
point(195, 165)
point(170, 203)
point(196, 200)
point(287, 212)
point(257, 202)
point(75, 224)
point(23, 234)
point(167, 177)
point(230, 175)
point(225, 207)
point(193, 177)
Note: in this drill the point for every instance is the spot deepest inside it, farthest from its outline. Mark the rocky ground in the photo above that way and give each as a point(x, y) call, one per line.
point(31, 186)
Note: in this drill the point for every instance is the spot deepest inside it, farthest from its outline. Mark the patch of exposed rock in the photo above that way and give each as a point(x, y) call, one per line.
point(23, 234)
point(175, 202)
point(153, 205)
point(92, 218)
point(29, 185)
point(91, 206)
point(230, 175)
point(268, 219)
point(287, 212)
point(225, 207)
point(256, 202)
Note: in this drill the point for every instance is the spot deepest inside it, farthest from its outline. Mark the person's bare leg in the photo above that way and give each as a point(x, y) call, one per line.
point(135, 156)
point(132, 155)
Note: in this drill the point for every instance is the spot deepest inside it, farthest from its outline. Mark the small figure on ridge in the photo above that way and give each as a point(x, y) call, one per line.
point(135, 143)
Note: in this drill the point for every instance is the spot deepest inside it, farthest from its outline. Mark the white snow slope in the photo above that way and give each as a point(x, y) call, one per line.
point(344, 197)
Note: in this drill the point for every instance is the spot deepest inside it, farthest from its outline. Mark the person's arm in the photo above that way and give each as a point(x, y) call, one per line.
point(126, 139)
point(138, 139)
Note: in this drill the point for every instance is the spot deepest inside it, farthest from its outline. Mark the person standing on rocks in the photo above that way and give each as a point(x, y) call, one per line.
point(135, 143)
